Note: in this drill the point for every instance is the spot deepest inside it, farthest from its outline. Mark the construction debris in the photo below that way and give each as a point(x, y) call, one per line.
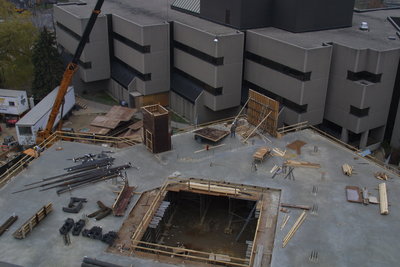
point(296, 145)
point(305, 164)
point(383, 201)
point(381, 176)
point(278, 152)
point(261, 154)
point(347, 169)
point(123, 199)
point(32, 222)
point(4, 227)
point(303, 207)
point(294, 228)
point(102, 212)
point(354, 194)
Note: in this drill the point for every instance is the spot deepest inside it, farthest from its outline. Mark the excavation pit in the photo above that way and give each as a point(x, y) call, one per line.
point(203, 222)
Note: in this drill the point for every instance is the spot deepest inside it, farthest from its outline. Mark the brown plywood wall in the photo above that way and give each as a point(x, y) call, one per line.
point(258, 108)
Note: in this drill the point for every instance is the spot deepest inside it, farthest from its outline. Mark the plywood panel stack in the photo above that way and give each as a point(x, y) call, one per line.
point(156, 132)
point(258, 107)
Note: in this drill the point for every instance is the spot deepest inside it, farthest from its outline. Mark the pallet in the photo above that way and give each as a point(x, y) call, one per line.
point(261, 153)
point(32, 222)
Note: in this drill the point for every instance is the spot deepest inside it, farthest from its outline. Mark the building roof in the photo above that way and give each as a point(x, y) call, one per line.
point(377, 38)
point(11, 93)
point(149, 12)
point(187, 5)
point(38, 111)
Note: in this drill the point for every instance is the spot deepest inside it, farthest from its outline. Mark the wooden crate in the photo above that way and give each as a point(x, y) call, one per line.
point(156, 134)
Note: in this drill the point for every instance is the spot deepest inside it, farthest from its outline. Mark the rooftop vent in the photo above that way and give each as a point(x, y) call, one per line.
point(364, 26)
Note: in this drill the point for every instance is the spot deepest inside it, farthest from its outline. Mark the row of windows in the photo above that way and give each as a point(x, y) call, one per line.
point(217, 61)
point(206, 87)
point(140, 48)
point(286, 102)
point(364, 75)
point(302, 76)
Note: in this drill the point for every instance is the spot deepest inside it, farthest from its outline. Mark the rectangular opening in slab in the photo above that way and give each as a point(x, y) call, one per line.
point(214, 224)
point(206, 222)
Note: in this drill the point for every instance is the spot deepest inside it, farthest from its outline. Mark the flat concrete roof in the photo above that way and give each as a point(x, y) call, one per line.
point(149, 12)
point(343, 233)
point(376, 38)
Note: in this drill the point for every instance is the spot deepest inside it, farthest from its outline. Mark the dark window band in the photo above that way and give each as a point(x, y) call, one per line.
point(140, 48)
point(206, 87)
point(69, 31)
point(217, 61)
point(143, 76)
point(302, 76)
point(286, 102)
point(364, 75)
point(358, 112)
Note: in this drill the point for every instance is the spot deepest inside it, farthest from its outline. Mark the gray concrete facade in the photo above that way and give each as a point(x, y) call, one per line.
point(395, 142)
point(69, 27)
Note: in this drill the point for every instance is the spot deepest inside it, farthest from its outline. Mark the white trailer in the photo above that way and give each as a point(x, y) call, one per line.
point(13, 102)
point(36, 119)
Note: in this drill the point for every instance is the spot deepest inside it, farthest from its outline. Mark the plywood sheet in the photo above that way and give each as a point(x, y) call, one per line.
point(121, 113)
point(211, 134)
point(97, 130)
point(257, 109)
point(105, 122)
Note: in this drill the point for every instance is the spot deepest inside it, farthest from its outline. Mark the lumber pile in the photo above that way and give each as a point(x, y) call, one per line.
point(214, 188)
point(32, 222)
point(305, 164)
point(261, 153)
point(347, 169)
point(381, 176)
point(383, 201)
point(294, 228)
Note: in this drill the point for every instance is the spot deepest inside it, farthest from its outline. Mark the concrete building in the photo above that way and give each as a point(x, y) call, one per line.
point(201, 57)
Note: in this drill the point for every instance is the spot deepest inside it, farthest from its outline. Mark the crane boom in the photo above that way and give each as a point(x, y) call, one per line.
point(69, 73)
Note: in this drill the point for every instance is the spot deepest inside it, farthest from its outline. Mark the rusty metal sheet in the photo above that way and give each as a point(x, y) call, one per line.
point(105, 122)
point(121, 113)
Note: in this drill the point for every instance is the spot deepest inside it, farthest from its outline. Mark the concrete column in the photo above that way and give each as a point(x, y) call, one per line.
point(364, 139)
point(345, 135)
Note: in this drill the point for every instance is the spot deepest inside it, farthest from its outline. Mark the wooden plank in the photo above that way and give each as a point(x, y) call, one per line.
point(213, 188)
point(261, 153)
point(303, 207)
point(294, 228)
point(383, 201)
point(305, 164)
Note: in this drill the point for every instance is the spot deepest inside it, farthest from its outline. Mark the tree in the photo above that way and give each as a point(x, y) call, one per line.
point(17, 35)
point(48, 67)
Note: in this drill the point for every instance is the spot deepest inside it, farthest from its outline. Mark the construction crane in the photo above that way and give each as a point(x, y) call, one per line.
point(68, 74)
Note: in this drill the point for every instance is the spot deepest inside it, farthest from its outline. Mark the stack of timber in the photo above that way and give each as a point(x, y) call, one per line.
point(347, 169)
point(213, 188)
point(261, 153)
point(294, 228)
point(383, 200)
point(305, 164)
point(32, 222)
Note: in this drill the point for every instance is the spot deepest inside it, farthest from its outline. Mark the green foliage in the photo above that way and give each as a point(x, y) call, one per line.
point(17, 35)
point(48, 67)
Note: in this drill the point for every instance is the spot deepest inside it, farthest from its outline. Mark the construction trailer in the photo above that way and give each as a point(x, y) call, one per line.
point(13, 102)
point(36, 119)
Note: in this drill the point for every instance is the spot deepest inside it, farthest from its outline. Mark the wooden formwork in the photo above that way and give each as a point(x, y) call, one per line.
point(259, 106)
point(157, 137)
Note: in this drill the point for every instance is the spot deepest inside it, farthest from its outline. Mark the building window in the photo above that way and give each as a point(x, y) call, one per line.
point(364, 75)
point(302, 76)
point(206, 87)
point(11, 103)
point(217, 61)
point(140, 48)
point(358, 112)
point(24, 130)
point(69, 31)
point(285, 102)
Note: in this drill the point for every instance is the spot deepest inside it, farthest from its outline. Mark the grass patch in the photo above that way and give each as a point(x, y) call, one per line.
point(100, 97)
point(175, 117)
